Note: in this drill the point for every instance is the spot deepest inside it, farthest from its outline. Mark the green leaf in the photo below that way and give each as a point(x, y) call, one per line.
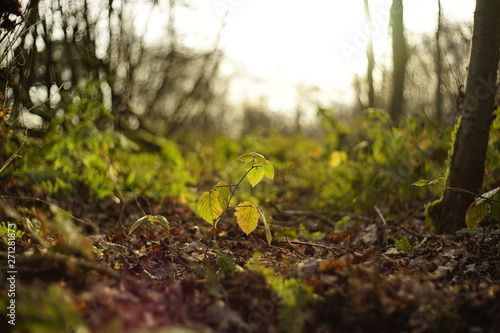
point(254, 161)
point(269, 236)
point(341, 225)
point(224, 194)
point(137, 223)
point(209, 207)
point(255, 175)
point(403, 244)
point(268, 170)
point(487, 196)
point(488, 199)
point(421, 182)
point(247, 217)
point(248, 157)
point(160, 219)
point(260, 160)
point(436, 181)
point(476, 213)
point(248, 165)
point(337, 158)
point(495, 207)
point(424, 182)
point(255, 157)
point(153, 219)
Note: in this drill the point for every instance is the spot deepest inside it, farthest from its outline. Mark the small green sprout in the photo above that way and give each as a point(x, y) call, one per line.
point(9, 231)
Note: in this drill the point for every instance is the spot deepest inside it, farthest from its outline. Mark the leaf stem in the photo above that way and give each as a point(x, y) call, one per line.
point(456, 189)
point(233, 190)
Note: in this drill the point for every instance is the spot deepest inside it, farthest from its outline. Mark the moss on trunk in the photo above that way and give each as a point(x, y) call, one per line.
point(470, 140)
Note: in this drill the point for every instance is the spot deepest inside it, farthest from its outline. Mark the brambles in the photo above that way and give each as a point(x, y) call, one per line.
point(213, 204)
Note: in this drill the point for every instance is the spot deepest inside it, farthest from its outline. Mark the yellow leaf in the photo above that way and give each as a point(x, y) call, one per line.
point(247, 217)
point(337, 158)
point(476, 213)
point(269, 236)
point(255, 158)
point(224, 194)
point(255, 175)
point(268, 170)
point(209, 207)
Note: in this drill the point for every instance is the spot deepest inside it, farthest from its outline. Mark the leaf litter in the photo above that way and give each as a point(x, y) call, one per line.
point(357, 279)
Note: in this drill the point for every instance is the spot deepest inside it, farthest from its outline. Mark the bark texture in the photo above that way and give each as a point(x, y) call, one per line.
point(466, 169)
point(439, 68)
point(400, 57)
point(370, 57)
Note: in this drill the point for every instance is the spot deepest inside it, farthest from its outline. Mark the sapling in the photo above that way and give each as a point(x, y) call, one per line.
point(213, 204)
point(484, 205)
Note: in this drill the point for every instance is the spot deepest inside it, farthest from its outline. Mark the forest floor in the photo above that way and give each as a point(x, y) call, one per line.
point(363, 278)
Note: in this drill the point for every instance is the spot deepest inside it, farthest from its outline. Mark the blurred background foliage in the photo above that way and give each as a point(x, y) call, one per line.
point(81, 151)
point(92, 107)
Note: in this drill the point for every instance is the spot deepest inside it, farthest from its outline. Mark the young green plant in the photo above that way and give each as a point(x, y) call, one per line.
point(8, 231)
point(484, 205)
point(213, 205)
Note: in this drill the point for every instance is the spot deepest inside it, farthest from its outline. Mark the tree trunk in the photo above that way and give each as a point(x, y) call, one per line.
point(466, 169)
point(370, 57)
point(439, 69)
point(400, 56)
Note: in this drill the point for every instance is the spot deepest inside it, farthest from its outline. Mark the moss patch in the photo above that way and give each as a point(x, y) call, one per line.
point(433, 218)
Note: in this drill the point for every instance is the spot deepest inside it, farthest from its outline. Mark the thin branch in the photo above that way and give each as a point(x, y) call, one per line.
point(235, 186)
point(10, 159)
point(384, 239)
point(330, 248)
point(456, 189)
point(56, 258)
point(86, 222)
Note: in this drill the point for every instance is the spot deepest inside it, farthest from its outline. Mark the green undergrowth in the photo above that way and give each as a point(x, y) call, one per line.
point(372, 162)
point(47, 309)
point(486, 204)
point(293, 295)
point(350, 164)
point(81, 152)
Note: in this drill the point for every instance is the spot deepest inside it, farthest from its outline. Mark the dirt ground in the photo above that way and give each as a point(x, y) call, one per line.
point(363, 277)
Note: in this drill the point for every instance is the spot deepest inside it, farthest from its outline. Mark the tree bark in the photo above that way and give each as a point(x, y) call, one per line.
point(400, 57)
point(370, 57)
point(466, 169)
point(439, 69)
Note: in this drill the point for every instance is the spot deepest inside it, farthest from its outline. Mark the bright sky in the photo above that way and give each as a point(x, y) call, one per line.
point(277, 45)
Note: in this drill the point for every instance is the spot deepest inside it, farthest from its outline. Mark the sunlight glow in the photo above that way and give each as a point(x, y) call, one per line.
point(273, 46)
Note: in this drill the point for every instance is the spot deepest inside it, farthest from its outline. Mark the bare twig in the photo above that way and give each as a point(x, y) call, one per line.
point(329, 248)
point(36, 260)
point(384, 237)
point(89, 223)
